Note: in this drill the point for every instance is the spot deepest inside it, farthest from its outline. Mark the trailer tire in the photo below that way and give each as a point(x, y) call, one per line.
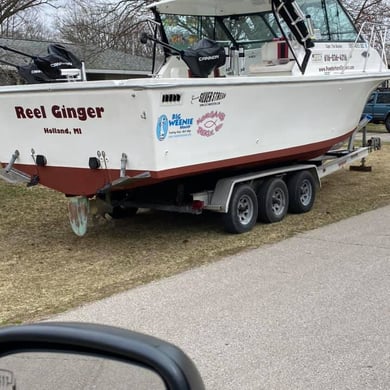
point(242, 213)
point(273, 200)
point(302, 191)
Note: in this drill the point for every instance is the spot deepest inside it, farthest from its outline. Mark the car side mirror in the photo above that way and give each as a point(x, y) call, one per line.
point(169, 364)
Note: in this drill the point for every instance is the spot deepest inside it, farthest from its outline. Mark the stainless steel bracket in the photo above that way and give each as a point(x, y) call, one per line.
point(14, 157)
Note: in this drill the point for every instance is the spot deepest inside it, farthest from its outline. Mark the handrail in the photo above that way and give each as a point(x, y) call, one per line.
point(374, 35)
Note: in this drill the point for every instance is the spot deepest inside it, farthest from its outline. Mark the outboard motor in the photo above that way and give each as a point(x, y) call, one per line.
point(52, 64)
point(61, 51)
point(58, 58)
point(205, 56)
point(32, 75)
point(29, 73)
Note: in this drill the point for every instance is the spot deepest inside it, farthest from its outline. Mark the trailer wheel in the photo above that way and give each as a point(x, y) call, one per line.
point(273, 200)
point(302, 191)
point(242, 213)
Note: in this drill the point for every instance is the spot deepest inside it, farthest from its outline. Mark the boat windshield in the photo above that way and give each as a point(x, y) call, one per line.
point(249, 31)
point(329, 19)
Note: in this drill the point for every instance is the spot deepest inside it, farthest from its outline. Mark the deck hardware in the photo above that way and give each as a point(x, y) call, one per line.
point(15, 155)
point(143, 115)
point(105, 159)
point(123, 165)
point(33, 155)
point(94, 163)
point(102, 157)
point(41, 160)
point(171, 98)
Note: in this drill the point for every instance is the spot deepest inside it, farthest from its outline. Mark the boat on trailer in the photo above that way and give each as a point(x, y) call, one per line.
point(245, 85)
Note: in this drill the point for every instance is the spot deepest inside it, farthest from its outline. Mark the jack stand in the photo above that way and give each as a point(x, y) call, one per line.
point(362, 167)
point(374, 144)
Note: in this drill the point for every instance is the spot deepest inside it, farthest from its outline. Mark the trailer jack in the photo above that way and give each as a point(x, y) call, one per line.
point(374, 143)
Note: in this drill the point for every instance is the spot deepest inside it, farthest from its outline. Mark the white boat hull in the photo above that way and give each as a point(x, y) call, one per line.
point(174, 127)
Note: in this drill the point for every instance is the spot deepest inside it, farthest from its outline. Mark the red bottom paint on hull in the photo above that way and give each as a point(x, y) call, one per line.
point(88, 182)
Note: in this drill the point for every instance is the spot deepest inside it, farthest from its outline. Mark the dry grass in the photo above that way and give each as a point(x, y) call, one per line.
point(46, 269)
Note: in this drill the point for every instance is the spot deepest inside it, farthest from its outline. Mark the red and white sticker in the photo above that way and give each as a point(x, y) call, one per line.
point(211, 123)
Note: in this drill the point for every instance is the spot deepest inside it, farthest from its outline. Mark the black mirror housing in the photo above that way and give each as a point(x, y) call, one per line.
point(174, 367)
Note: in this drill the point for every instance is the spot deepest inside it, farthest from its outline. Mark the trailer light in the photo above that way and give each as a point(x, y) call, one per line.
point(94, 163)
point(197, 205)
point(40, 160)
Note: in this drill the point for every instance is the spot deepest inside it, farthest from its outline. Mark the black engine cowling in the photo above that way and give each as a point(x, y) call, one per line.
point(205, 56)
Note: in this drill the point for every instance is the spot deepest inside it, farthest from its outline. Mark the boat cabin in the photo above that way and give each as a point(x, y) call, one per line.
point(260, 37)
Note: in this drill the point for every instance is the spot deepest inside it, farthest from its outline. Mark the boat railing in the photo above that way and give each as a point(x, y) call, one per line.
point(374, 36)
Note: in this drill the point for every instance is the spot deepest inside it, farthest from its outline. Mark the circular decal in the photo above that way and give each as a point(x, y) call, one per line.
point(162, 127)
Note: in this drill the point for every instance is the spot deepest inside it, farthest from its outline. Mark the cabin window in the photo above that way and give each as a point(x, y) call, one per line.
point(331, 22)
point(248, 31)
point(182, 31)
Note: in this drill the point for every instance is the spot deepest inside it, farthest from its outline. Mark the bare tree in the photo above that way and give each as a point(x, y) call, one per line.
point(373, 16)
point(374, 11)
point(27, 25)
point(106, 24)
point(9, 8)
point(20, 17)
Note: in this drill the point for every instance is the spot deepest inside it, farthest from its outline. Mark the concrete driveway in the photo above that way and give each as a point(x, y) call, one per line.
point(311, 312)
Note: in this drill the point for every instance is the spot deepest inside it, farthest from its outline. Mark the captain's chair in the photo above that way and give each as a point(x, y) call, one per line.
point(204, 57)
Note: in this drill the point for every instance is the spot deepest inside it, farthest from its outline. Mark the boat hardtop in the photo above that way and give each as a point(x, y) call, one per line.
point(213, 7)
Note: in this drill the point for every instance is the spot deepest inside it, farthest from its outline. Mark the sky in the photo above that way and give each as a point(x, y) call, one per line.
point(49, 13)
